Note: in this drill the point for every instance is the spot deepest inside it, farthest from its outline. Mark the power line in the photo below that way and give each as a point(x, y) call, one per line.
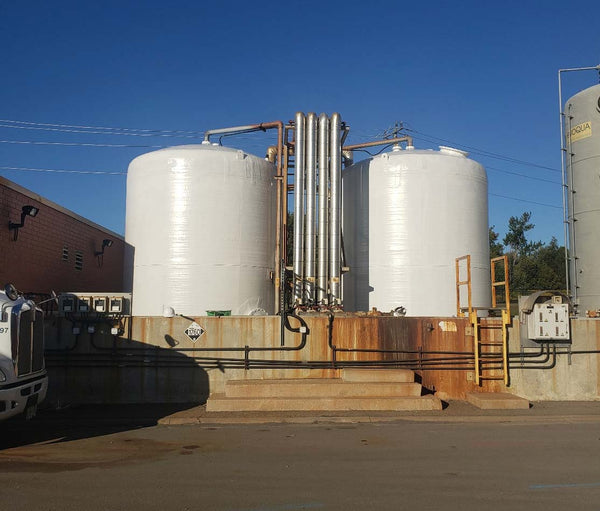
point(64, 171)
point(523, 175)
point(78, 126)
point(524, 200)
point(35, 142)
point(94, 132)
point(484, 152)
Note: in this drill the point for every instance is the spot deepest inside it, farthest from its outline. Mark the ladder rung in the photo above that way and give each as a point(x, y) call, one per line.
point(491, 377)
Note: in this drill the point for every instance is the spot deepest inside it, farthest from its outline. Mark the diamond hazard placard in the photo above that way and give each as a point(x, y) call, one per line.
point(194, 331)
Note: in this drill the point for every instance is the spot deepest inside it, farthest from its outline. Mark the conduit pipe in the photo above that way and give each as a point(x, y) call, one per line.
point(322, 296)
point(299, 171)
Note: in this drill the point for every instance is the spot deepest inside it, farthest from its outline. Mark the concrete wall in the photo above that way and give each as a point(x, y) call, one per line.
point(43, 257)
point(574, 378)
point(155, 361)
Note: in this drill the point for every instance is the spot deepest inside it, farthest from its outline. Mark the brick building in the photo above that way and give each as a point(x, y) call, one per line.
point(57, 249)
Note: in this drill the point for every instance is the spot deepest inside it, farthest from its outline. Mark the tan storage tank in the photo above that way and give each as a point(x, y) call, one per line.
point(582, 129)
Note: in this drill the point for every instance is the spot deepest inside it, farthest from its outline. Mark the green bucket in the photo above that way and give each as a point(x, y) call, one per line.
point(218, 313)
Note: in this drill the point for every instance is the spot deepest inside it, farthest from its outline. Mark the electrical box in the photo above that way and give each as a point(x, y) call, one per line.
point(116, 304)
point(66, 303)
point(100, 304)
point(549, 322)
point(84, 304)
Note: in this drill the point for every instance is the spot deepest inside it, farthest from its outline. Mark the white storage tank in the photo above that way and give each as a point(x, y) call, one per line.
point(407, 216)
point(582, 130)
point(201, 221)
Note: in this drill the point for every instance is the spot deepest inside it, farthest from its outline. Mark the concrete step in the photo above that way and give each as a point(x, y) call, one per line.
point(220, 403)
point(318, 387)
point(378, 375)
point(497, 401)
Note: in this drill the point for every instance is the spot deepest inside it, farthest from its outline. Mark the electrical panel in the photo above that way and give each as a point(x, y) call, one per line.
point(549, 322)
point(99, 304)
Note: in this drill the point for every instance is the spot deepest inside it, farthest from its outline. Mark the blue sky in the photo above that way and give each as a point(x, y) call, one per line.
point(481, 75)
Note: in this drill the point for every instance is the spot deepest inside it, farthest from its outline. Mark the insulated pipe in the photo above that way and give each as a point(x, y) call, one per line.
point(299, 208)
point(335, 210)
point(311, 208)
point(322, 296)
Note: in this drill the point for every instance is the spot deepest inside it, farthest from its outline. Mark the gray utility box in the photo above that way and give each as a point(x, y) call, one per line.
point(549, 322)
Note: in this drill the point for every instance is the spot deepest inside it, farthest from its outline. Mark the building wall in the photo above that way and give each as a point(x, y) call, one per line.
point(43, 258)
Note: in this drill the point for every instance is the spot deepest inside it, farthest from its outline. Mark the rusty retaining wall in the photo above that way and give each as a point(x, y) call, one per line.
point(153, 360)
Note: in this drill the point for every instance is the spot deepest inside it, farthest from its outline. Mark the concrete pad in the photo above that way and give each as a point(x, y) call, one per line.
point(220, 403)
point(378, 375)
point(497, 401)
point(322, 387)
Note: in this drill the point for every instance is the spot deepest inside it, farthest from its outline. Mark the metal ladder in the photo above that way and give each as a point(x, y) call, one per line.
point(490, 355)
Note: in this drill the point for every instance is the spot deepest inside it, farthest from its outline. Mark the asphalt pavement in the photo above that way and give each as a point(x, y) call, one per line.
point(123, 458)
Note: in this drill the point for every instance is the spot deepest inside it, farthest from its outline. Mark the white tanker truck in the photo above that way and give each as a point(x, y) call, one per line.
point(23, 378)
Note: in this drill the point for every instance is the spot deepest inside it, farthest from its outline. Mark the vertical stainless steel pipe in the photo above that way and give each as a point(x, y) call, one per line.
point(323, 241)
point(310, 237)
point(335, 233)
point(299, 164)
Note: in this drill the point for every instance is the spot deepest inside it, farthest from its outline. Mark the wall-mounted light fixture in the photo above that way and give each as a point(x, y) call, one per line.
point(100, 254)
point(26, 211)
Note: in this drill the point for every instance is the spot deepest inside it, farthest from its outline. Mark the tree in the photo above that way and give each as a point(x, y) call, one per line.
point(516, 237)
point(533, 266)
point(496, 249)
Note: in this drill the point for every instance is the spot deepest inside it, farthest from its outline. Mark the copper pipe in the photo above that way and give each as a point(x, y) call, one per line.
point(280, 213)
point(406, 139)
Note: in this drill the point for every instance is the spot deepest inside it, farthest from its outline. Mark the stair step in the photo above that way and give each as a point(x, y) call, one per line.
point(220, 403)
point(378, 375)
point(497, 401)
point(318, 388)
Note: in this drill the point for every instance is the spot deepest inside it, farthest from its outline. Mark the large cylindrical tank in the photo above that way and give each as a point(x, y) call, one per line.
point(408, 214)
point(582, 129)
point(201, 221)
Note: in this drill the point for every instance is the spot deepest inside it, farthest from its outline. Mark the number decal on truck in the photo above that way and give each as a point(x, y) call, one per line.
point(3, 330)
